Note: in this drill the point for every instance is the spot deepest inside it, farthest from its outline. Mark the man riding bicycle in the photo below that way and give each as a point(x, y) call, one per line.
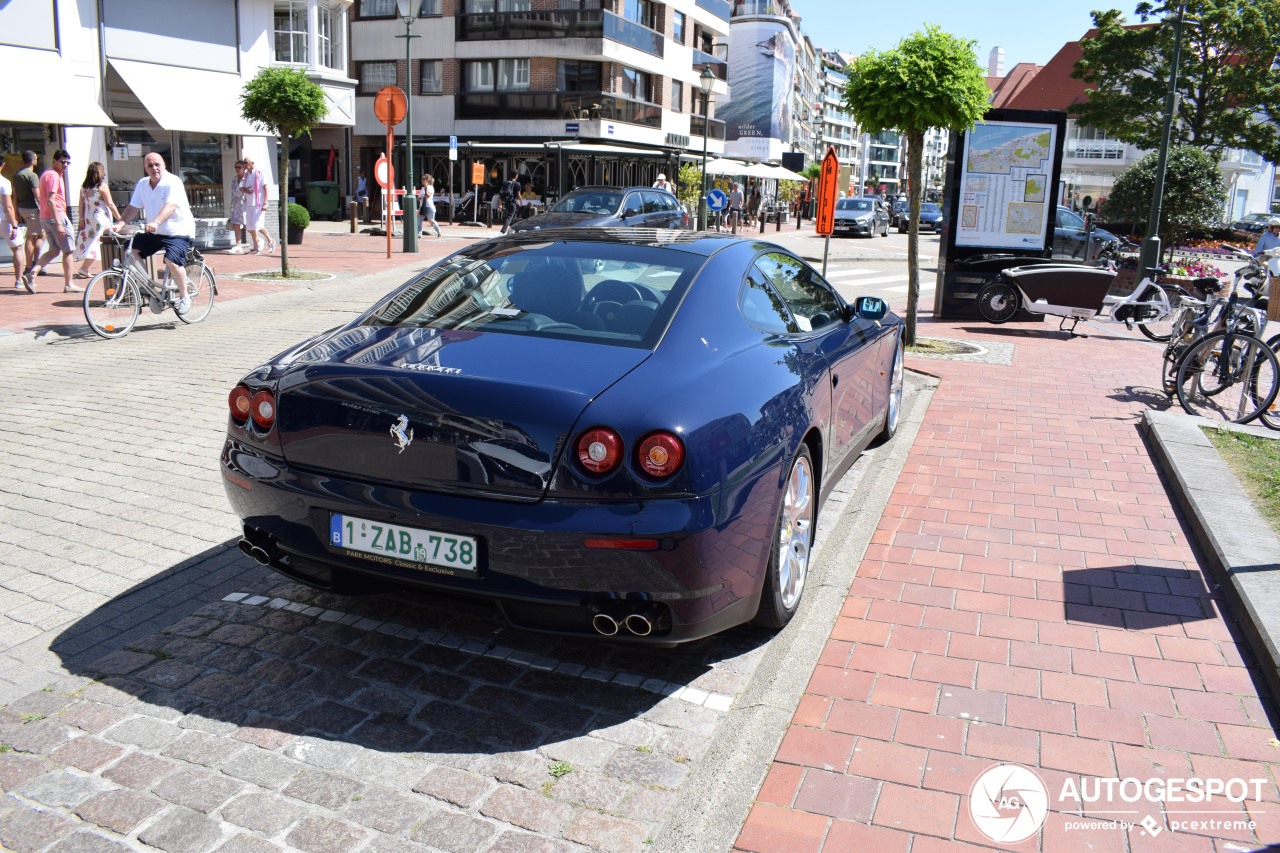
point(170, 226)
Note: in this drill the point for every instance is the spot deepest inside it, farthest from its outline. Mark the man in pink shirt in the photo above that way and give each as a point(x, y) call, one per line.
point(56, 224)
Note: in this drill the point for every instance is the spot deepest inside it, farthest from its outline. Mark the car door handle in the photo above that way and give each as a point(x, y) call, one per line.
point(835, 379)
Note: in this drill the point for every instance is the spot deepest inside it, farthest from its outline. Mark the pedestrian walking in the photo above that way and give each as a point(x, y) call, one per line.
point(736, 202)
point(427, 206)
point(663, 184)
point(753, 204)
point(170, 227)
point(55, 224)
point(362, 195)
point(254, 190)
point(97, 213)
point(235, 214)
point(10, 226)
point(26, 195)
point(509, 196)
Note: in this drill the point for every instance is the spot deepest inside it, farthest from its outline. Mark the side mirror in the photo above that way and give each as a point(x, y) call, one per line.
point(870, 308)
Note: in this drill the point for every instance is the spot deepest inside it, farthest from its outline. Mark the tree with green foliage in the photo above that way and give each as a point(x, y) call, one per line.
point(931, 79)
point(285, 102)
point(1227, 77)
point(688, 185)
point(1195, 193)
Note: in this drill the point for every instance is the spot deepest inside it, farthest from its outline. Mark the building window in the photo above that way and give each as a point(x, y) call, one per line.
point(291, 31)
point(677, 96)
point(578, 76)
point(430, 9)
point(377, 8)
point(504, 75)
point(677, 28)
point(430, 77)
point(331, 27)
point(640, 11)
point(636, 85)
point(486, 7)
point(374, 75)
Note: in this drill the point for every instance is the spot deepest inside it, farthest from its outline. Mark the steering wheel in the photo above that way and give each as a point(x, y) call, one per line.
point(613, 290)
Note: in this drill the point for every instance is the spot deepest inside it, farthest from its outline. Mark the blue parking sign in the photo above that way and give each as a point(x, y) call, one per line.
point(717, 200)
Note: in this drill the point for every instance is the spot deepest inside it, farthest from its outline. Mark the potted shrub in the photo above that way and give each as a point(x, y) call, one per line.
point(299, 219)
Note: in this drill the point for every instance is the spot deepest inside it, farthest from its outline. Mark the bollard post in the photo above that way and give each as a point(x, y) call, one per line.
point(352, 207)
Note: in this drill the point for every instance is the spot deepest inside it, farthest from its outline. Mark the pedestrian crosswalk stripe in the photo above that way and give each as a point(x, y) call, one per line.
point(842, 273)
point(903, 289)
point(880, 279)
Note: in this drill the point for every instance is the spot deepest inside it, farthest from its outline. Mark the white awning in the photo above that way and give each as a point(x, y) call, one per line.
point(64, 97)
point(188, 98)
point(587, 148)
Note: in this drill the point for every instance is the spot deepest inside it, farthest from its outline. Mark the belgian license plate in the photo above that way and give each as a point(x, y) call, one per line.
point(397, 544)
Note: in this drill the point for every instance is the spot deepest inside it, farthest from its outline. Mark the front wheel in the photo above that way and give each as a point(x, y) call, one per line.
point(111, 304)
point(793, 538)
point(201, 289)
point(1161, 298)
point(998, 302)
point(896, 386)
point(1270, 414)
point(1228, 376)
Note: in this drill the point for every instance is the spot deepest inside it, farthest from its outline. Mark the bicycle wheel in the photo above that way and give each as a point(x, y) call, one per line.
point(1270, 414)
point(201, 288)
point(1162, 297)
point(998, 302)
point(1228, 377)
point(111, 304)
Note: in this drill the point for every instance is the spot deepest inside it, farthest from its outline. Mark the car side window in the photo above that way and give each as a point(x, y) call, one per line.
point(811, 300)
point(762, 307)
point(652, 203)
point(633, 206)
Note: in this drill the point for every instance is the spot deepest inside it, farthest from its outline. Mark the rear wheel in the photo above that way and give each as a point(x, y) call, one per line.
point(793, 538)
point(896, 386)
point(111, 304)
point(201, 289)
point(998, 302)
point(1228, 377)
point(1270, 414)
point(1161, 297)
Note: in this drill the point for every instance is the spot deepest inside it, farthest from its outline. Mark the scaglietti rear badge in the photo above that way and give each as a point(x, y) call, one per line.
point(401, 433)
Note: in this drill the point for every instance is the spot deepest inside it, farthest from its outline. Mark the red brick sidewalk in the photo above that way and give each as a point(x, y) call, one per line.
point(1030, 597)
point(326, 247)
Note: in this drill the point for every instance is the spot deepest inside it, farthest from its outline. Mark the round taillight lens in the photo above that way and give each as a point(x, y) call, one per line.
point(660, 454)
point(599, 450)
point(238, 401)
point(263, 409)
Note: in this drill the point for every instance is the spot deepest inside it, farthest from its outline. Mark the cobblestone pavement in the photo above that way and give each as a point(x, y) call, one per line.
point(165, 692)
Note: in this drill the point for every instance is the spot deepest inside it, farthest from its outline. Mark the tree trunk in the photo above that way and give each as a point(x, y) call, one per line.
point(282, 156)
point(915, 160)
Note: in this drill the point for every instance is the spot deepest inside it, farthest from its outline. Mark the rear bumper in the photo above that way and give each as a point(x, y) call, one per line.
point(705, 575)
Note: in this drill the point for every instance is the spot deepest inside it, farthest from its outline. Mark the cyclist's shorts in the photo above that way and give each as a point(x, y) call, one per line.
point(175, 248)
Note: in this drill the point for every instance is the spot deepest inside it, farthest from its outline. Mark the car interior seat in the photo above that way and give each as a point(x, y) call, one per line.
point(554, 290)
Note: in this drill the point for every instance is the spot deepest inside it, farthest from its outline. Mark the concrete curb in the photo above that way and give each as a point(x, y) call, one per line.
point(1240, 548)
point(728, 778)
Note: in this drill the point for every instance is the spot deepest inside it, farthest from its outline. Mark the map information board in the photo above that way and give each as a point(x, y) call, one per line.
point(1004, 185)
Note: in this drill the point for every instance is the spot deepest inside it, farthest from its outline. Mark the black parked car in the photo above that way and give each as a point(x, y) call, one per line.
point(1068, 236)
point(898, 212)
point(930, 219)
point(634, 207)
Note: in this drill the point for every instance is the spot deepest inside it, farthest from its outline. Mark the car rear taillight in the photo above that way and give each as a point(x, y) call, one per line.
point(599, 450)
point(660, 454)
point(263, 409)
point(238, 401)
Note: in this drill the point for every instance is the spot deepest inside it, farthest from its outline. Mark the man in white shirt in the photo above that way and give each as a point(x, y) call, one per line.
point(9, 227)
point(170, 226)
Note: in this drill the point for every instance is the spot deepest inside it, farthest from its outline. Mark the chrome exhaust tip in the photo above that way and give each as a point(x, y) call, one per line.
point(604, 624)
point(246, 547)
point(639, 624)
point(260, 554)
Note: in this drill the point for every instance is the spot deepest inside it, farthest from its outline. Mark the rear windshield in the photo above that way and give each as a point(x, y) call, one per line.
point(591, 201)
point(611, 293)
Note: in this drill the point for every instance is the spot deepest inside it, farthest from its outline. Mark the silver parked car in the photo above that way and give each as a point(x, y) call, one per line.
point(860, 216)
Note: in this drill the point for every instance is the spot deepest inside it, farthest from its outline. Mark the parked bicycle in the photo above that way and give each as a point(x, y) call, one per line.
point(114, 297)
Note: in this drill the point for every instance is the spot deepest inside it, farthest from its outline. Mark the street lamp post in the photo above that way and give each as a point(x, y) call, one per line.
point(409, 204)
point(705, 81)
point(1149, 256)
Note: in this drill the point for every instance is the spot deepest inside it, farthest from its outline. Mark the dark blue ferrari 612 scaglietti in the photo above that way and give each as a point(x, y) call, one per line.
point(617, 432)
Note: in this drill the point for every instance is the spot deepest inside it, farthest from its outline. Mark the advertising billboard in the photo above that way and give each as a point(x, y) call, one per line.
point(762, 68)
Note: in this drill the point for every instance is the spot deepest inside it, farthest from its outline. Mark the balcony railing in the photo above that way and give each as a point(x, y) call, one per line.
point(720, 8)
point(1094, 149)
point(570, 106)
point(635, 35)
point(718, 66)
point(559, 24)
point(715, 127)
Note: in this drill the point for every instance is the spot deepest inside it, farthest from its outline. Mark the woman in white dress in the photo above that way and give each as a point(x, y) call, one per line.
point(427, 206)
point(97, 213)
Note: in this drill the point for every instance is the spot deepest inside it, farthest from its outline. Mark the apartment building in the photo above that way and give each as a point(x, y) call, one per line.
point(566, 92)
point(113, 80)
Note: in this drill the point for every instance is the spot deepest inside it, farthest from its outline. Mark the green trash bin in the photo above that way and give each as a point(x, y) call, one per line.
point(324, 200)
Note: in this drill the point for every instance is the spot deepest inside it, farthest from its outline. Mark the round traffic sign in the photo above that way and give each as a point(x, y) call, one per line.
point(383, 172)
point(717, 200)
point(389, 105)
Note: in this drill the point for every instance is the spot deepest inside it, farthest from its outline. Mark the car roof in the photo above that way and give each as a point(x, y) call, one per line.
point(689, 241)
point(615, 189)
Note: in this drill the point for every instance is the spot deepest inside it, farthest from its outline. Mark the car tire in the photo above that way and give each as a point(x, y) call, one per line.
point(897, 386)
point(791, 547)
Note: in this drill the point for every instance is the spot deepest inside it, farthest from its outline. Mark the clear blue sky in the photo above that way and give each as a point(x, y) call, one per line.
point(1028, 30)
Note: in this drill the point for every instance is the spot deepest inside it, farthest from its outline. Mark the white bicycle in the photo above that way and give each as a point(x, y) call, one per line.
point(115, 296)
